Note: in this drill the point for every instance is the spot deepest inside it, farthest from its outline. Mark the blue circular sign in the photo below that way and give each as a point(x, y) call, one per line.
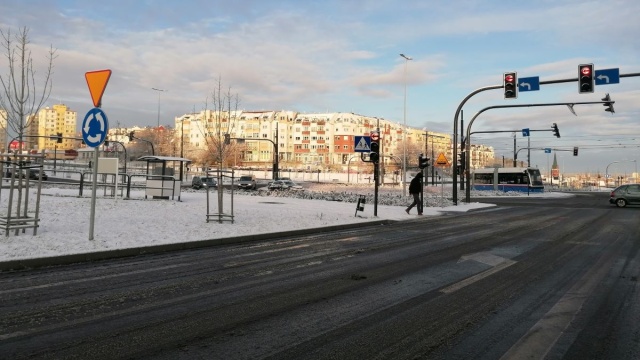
point(95, 127)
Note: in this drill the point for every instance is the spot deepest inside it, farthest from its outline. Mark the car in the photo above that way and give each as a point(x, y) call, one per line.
point(247, 182)
point(34, 174)
point(291, 185)
point(623, 195)
point(199, 182)
point(8, 174)
point(276, 185)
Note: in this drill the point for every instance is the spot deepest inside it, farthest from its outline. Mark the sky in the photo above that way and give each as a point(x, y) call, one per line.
point(344, 56)
point(138, 222)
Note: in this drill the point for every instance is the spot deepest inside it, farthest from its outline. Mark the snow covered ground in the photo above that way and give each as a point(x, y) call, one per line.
point(129, 223)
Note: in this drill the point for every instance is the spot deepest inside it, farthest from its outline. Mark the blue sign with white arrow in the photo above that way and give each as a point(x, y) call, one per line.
point(529, 84)
point(607, 76)
point(95, 127)
point(547, 150)
point(525, 132)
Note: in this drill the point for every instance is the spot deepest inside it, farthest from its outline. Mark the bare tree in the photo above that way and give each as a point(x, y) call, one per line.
point(20, 95)
point(220, 119)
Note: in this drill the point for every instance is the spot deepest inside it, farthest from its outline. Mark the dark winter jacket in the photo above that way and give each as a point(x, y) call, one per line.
point(415, 185)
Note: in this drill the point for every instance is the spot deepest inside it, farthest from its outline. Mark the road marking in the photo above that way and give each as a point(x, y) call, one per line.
point(499, 263)
point(542, 336)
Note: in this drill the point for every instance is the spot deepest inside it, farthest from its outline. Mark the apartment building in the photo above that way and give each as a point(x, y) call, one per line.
point(308, 141)
point(43, 128)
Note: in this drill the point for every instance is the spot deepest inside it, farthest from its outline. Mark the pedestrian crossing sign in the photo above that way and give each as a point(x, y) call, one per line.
point(362, 144)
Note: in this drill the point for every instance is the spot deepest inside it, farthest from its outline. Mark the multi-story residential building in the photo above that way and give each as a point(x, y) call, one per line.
point(44, 127)
point(3, 125)
point(307, 141)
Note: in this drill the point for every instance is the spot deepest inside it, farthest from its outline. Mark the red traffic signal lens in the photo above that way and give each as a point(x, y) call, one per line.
point(508, 78)
point(585, 71)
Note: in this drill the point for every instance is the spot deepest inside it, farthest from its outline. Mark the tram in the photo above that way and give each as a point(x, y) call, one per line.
point(508, 179)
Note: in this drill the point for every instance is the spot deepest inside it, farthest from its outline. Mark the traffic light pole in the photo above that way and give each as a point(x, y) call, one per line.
point(486, 88)
point(468, 139)
point(276, 162)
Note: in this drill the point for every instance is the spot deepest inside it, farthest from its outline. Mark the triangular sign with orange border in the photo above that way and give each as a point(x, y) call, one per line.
point(97, 81)
point(442, 160)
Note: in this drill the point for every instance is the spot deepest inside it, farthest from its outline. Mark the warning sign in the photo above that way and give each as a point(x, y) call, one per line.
point(442, 160)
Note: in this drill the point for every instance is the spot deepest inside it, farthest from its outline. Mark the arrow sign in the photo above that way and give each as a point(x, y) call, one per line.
point(547, 150)
point(97, 82)
point(525, 132)
point(529, 84)
point(607, 76)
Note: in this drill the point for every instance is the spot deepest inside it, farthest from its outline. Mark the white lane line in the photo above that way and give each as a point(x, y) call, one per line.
point(470, 280)
point(542, 336)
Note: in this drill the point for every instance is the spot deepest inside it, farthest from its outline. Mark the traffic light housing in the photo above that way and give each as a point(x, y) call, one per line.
point(586, 79)
point(608, 104)
point(423, 161)
point(131, 136)
point(374, 155)
point(556, 132)
point(59, 138)
point(510, 84)
point(227, 139)
point(461, 161)
point(575, 151)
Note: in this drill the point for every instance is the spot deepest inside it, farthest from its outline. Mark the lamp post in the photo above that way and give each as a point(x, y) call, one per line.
point(159, 92)
point(404, 130)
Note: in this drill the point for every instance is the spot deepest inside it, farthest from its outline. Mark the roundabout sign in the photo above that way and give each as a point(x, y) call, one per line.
point(95, 127)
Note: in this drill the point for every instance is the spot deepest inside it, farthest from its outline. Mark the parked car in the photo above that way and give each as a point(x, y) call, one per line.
point(276, 185)
point(291, 185)
point(34, 174)
point(247, 182)
point(199, 182)
point(283, 185)
point(8, 174)
point(624, 195)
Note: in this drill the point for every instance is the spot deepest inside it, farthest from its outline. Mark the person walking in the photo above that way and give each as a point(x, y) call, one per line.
point(415, 188)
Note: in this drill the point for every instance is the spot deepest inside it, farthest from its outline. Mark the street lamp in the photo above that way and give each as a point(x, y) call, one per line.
point(404, 133)
point(159, 92)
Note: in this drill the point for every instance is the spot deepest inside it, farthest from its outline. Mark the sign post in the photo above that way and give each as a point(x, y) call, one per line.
point(95, 127)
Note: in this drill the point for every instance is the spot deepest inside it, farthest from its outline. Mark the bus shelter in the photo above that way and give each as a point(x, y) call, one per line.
point(163, 181)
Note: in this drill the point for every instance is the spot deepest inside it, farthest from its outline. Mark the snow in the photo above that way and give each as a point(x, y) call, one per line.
point(120, 223)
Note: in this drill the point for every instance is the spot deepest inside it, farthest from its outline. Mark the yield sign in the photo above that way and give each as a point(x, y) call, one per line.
point(97, 81)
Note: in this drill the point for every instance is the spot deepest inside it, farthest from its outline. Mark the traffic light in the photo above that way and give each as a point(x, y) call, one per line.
point(608, 103)
point(227, 139)
point(585, 78)
point(575, 151)
point(59, 138)
point(423, 161)
point(510, 84)
point(461, 161)
point(556, 132)
point(131, 136)
point(374, 155)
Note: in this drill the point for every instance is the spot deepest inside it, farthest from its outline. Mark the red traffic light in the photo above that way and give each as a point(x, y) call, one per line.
point(586, 80)
point(509, 82)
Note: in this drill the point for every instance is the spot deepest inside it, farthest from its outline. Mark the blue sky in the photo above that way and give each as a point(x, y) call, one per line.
point(343, 56)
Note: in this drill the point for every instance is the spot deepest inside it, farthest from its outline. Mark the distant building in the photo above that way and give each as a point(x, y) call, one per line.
point(43, 129)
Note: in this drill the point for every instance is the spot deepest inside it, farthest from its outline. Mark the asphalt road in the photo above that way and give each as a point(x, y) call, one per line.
point(531, 278)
